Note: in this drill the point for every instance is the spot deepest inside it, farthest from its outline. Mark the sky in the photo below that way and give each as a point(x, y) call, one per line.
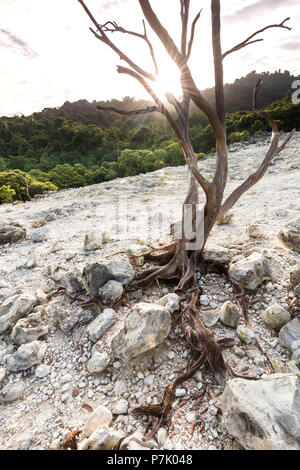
point(49, 56)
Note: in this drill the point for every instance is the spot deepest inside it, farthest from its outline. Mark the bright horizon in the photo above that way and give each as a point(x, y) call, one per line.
point(50, 56)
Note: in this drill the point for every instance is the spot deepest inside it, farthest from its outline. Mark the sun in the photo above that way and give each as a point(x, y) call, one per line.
point(167, 81)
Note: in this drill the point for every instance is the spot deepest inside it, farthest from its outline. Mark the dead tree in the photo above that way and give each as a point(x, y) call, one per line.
point(180, 262)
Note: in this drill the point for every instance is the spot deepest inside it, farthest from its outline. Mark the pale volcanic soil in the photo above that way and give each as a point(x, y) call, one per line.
point(48, 410)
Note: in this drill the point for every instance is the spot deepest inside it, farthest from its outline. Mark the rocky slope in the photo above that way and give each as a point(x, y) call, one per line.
point(57, 366)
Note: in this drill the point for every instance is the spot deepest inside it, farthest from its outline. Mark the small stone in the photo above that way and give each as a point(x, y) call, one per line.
point(230, 314)
point(290, 335)
point(263, 414)
point(148, 381)
point(101, 416)
point(238, 351)
point(210, 319)
point(171, 302)
point(190, 417)
point(103, 438)
point(120, 408)
point(246, 335)
point(275, 317)
point(92, 241)
point(72, 282)
point(180, 392)
point(66, 378)
point(26, 356)
point(255, 231)
point(290, 235)
point(101, 324)
point(134, 253)
point(295, 275)
point(14, 308)
point(29, 329)
point(38, 235)
point(120, 388)
point(12, 233)
point(161, 436)
point(111, 292)
point(2, 374)
point(250, 272)
point(42, 371)
point(98, 363)
point(297, 291)
point(204, 300)
point(12, 392)
point(198, 376)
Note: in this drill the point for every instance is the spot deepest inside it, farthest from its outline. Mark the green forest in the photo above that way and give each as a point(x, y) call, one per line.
point(77, 145)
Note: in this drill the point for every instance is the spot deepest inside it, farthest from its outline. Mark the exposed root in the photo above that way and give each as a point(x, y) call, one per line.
point(70, 442)
point(184, 265)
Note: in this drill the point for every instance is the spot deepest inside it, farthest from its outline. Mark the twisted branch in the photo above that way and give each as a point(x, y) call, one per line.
point(272, 153)
point(248, 41)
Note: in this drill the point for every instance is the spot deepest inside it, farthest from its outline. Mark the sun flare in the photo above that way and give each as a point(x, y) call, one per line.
point(167, 82)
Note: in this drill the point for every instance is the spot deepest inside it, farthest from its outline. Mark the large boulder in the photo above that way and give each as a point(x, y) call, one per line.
point(11, 233)
point(14, 308)
point(146, 326)
point(290, 235)
point(97, 274)
point(250, 272)
point(263, 414)
point(27, 356)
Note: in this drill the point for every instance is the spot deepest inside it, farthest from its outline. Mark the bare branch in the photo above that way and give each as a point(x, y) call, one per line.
point(162, 33)
point(217, 50)
point(123, 56)
point(248, 41)
point(273, 151)
point(185, 10)
point(190, 46)
point(112, 27)
point(149, 109)
point(100, 34)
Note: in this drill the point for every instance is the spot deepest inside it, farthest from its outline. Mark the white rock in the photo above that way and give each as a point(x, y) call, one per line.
point(121, 407)
point(101, 416)
point(101, 324)
point(250, 272)
point(145, 327)
point(171, 302)
point(42, 371)
point(263, 414)
point(28, 355)
point(98, 363)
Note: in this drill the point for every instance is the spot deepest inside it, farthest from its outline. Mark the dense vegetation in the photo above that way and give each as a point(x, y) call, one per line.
point(76, 145)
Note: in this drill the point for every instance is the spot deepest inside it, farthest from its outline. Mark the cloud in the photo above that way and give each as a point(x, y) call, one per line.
point(16, 44)
point(291, 45)
point(259, 8)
